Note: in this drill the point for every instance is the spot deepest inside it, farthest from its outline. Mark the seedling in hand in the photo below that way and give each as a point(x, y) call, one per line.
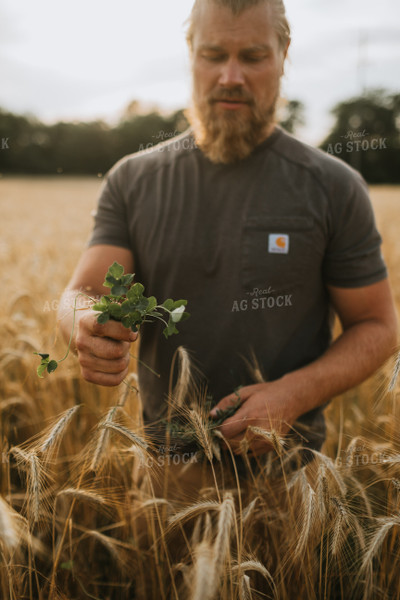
point(127, 304)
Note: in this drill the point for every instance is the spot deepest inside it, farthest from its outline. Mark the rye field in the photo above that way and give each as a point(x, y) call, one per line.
point(87, 510)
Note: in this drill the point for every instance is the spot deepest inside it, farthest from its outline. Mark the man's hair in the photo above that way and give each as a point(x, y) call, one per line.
point(281, 24)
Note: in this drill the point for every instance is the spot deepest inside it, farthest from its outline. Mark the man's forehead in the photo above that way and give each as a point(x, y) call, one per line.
point(217, 26)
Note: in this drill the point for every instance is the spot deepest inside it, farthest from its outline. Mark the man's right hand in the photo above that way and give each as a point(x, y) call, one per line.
point(103, 350)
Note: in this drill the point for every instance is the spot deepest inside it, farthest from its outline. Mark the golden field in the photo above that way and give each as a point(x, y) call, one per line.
point(85, 512)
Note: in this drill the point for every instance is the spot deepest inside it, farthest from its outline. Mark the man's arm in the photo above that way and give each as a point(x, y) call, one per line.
point(103, 350)
point(369, 337)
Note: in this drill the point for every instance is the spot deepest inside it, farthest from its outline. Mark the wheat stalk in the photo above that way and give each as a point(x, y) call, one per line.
point(338, 530)
point(184, 385)
point(52, 439)
point(395, 374)
point(255, 565)
point(203, 578)
point(86, 495)
point(201, 433)
point(102, 441)
point(9, 526)
point(127, 433)
point(193, 511)
point(29, 463)
point(245, 588)
point(308, 521)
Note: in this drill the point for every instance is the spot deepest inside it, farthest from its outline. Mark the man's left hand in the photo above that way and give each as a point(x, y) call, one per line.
point(269, 406)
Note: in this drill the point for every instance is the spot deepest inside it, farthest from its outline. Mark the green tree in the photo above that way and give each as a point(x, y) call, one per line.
point(293, 116)
point(366, 135)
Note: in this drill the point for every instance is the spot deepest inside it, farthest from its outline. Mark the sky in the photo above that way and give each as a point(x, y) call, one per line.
point(87, 59)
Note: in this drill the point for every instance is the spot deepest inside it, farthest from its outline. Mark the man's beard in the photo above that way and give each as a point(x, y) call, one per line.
point(228, 136)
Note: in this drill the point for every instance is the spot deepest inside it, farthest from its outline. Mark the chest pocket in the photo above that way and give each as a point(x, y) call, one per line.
point(277, 252)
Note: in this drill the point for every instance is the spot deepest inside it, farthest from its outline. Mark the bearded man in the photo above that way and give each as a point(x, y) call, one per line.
point(263, 235)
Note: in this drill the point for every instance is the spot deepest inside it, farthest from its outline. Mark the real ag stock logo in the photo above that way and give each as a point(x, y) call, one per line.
point(357, 141)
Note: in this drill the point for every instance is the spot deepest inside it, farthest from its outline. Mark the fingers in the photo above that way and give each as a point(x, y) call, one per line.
point(103, 350)
point(94, 363)
point(241, 393)
point(247, 443)
point(105, 379)
point(229, 401)
point(112, 329)
point(235, 425)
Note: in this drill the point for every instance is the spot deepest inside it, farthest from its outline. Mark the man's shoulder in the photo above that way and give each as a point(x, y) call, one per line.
point(153, 158)
point(325, 168)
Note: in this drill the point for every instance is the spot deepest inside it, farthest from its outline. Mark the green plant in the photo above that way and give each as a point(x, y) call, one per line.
point(127, 304)
point(184, 427)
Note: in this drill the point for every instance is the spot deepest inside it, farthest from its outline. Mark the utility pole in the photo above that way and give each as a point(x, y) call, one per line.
point(362, 63)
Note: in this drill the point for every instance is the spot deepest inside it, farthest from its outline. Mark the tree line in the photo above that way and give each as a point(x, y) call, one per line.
point(366, 135)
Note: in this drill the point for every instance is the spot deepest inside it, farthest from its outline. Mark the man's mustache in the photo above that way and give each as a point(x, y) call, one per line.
point(237, 94)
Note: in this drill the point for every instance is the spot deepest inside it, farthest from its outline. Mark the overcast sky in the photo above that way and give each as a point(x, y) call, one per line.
point(86, 59)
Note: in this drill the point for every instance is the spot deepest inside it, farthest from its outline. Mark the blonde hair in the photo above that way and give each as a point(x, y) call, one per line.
point(281, 24)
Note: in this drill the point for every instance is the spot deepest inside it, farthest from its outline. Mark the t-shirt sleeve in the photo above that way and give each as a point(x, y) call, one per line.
point(353, 257)
point(111, 219)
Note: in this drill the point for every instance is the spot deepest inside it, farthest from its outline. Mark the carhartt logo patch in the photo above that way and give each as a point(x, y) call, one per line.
point(278, 243)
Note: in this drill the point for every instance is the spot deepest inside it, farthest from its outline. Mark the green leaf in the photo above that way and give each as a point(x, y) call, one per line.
point(111, 280)
point(170, 329)
point(127, 322)
point(115, 310)
point(119, 290)
point(116, 270)
point(143, 305)
point(41, 369)
point(45, 364)
point(103, 318)
point(127, 279)
point(136, 292)
point(127, 306)
point(67, 566)
point(179, 303)
point(102, 305)
point(52, 366)
point(152, 303)
point(168, 304)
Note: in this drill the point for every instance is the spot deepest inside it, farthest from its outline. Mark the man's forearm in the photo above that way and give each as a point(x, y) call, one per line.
point(352, 358)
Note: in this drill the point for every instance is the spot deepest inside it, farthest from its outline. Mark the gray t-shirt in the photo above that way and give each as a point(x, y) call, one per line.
point(251, 246)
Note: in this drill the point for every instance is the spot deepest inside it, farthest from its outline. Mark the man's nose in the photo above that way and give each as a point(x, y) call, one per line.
point(231, 74)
